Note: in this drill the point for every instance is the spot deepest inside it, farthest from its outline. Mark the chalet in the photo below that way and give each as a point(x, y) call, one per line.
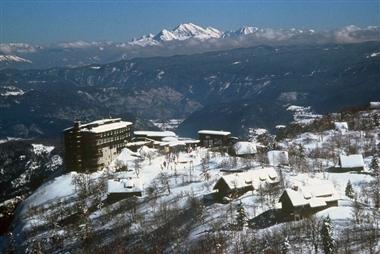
point(353, 162)
point(212, 138)
point(92, 146)
point(241, 182)
point(278, 158)
point(118, 189)
point(342, 127)
point(244, 149)
point(303, 201)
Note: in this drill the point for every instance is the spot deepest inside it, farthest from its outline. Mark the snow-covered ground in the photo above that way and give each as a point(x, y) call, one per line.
point(303, 115)
point(171, 181)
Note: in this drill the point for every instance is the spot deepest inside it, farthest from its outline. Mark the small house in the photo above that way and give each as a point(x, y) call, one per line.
point(212, 138)
point(374, 105)
point(278, 158)
point(244, 149)
point(353, 162)
point(118, 189)
point(241, 182)
point(342, 127)
point(308, 199)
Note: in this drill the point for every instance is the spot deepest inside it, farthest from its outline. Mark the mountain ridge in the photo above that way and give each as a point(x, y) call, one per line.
point(186, 38)
point(209, 88)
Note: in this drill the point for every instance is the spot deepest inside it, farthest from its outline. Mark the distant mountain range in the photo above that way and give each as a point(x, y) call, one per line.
point(231, 90)
point(184, 39)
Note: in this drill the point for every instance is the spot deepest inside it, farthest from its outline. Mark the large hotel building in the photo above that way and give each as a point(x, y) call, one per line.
point(92, 146)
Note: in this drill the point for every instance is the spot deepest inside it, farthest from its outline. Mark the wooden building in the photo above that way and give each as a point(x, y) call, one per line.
point(92, 146)
point(299, 202)
point(212, 138)
point(238, 183)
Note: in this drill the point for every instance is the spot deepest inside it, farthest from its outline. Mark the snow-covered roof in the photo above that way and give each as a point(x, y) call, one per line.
point(315, 194)
point(254, 178)
point(213, 132)
point(137, 143)
point(341, 126)
point(374, 105)
point(175, 141)
point(169, 139)
point(155, 133)
point(276, 157)
point(244, 148)
point(189, 140)
point(102, 125)
point(351, 161)
point(109, 127)
point(131, 184)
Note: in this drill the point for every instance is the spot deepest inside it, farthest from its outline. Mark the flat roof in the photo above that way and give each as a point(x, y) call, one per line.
point(102, 125)
point(213, 132)
point(155, 133)
point(131, 184)
point(109, 127)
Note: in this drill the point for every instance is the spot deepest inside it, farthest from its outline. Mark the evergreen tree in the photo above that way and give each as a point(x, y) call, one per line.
point(241, 217)
point(327, 237)
point(375, 166)
point(349, 190)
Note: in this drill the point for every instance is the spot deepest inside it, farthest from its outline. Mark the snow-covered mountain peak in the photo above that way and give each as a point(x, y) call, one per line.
point(245, 30)
point(165, 35)
point(13, 58)
point(188, 30)
point(179, 33)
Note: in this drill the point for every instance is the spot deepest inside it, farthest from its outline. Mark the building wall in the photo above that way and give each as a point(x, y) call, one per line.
point(89, 151)
point(207, 140)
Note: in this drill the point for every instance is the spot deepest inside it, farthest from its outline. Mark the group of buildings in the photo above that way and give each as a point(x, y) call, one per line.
point(93, 146)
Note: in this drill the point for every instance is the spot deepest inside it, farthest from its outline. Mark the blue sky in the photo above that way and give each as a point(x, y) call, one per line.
point(44, 21)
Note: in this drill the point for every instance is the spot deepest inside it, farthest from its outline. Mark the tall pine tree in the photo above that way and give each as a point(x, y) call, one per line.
point(327, 236)
point(349, 190)
point(241, 217)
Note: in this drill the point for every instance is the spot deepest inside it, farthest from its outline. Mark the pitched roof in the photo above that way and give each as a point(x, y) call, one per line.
point(254, 178)
point(315, 194)
point(244, 148)
point(351, 161)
